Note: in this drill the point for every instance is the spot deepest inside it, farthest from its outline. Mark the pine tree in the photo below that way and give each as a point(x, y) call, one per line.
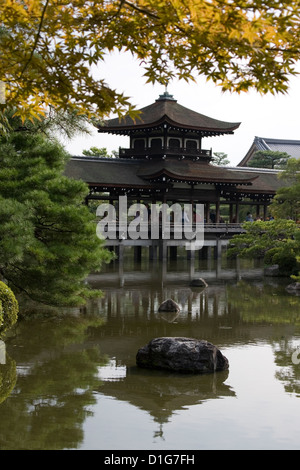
point(269, 159)
point(48, 242)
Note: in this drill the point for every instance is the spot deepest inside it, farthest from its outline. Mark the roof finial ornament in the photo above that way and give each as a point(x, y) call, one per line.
point(166, 95)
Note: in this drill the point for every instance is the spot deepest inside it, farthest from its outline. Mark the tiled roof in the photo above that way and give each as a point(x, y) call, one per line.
point(266, 181)
point(104, 171)
point(291, 147)
point(168, 110)
point(193, 171)
point(134, 173)
point(126, 173)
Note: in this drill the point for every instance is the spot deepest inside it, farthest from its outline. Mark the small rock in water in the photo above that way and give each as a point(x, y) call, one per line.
point(199, 282)
point(169, 306)
point(295, 286)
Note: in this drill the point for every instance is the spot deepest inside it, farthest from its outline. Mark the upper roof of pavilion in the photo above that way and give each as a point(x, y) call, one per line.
point(166, 110)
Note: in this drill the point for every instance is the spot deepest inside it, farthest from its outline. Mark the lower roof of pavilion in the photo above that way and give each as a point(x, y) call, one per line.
point(116, 175)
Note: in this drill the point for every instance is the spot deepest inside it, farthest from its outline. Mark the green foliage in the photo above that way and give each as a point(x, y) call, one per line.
point(220, 158)
point(275, 241)
point(283, 255)
point(269, 159)
point(8, 378)
point(48, 242)
point(99, 152)
point(294, 277)
point(9, 308)
point(286, 202)
point(49, 49)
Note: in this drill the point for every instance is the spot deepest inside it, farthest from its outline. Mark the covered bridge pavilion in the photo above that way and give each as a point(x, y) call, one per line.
point(165, 163)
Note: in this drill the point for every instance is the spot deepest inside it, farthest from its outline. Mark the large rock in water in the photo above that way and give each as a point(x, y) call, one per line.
point(177, 354)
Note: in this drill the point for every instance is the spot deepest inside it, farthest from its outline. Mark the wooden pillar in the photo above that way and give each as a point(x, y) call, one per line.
point(230, 212)
point(192, 263)
point(163, 250)
point(173, 252)
point(153, 252)
point(121, 253)
point(237, 213)
point(265, 211)
point(207, 212)
point(217, 212)
point(137, 254)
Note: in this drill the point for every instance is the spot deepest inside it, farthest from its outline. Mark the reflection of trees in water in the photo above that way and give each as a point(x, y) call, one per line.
point(55, 386)
point(289, 371)
point(8, 378)
point(264, 303)
point(270, 305)
point(58, 360)
point(50, 403)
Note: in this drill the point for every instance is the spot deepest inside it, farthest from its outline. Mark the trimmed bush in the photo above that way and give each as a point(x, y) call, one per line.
point(9, 308)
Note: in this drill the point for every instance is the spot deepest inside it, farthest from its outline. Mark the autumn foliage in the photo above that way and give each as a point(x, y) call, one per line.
point(48, 48)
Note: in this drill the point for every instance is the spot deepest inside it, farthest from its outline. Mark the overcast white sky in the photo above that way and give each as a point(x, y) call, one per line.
point(264, 116)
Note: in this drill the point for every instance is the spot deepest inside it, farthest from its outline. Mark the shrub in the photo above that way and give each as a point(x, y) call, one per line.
point(284, 256)
point(9, 308)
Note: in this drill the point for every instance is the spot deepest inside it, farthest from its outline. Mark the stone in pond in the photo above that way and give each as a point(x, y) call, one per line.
point(200, 282)
point(179, 354)
point(295, 286)
point(169, 306)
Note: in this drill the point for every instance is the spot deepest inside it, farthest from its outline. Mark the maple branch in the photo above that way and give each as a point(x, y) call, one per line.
point(141, 10)
point(36, 38)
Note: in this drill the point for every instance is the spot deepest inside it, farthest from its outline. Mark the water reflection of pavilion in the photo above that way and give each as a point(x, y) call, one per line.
point(161, 394)
point(161, 273)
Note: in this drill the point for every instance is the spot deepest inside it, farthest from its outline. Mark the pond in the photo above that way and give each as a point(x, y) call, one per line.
point(70, 381)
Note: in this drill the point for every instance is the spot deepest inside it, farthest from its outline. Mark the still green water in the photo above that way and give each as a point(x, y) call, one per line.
point(69, 381)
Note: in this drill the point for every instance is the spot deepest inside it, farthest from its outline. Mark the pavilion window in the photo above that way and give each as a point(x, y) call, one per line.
point(156, 143)
point(191, 144)
point(174, 143)
point(139, 144)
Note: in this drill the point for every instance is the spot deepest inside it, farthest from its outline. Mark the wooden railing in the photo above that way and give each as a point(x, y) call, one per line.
point(174, 232)
point(151, 151)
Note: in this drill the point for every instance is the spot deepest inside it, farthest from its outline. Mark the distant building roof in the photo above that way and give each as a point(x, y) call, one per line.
point(166, 110)
point(291, 147)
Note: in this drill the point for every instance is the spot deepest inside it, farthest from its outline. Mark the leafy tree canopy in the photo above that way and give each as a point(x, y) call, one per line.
point(286, 203)
point(48, 48)
point(276, 242)
point(269, 159)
